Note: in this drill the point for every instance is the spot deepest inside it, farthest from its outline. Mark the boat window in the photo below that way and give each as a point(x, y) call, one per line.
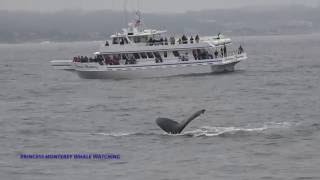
point(121, 41)
point(144, 39)
point(137, 39)
point(143, 55)
point(117, 57)
point(157, 55)
point(165, 54)
point(115, 41)
point(130, 56)
point(157, 36)
point(125, 40)
point(107, 57)
point(176, 53)
point(136, 55)
point(150, 55)
point(124, 56)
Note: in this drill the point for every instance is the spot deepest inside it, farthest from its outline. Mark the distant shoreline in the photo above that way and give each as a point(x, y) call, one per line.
point(72, 26)
point(101, 41)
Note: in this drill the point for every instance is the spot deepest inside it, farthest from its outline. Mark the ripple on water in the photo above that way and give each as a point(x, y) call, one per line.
point(208, 131)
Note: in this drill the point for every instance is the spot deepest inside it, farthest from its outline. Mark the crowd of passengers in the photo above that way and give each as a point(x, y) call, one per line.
point(84, 59)
point(183, 40)
point(163, 41)
point(200, 55)
point(99, 59)
point(115, 60)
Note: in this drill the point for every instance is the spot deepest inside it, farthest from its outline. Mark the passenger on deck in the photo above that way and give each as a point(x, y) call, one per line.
point(240, 50)
point(125, 40)
point(115, 41)
point(107, 60)
point(165, 41)
point(199, 54)
point(158, 59)
point(184, 58)
point(107, 43)
point(100, 59)
point(95, 59)
point(191, 40)
point(121, 42)
point(116, 60)
point(194, 53)
point(150, 42)
point(216, 53)
point(132, 60)
point(179, 41)
point(86, 59)
point(161, 41)
point(172, 40)
point(218, 35)
point(197, 38)
point(221, 50)
point(184, 39)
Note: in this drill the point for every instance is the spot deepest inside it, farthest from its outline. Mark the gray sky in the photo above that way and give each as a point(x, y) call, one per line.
point(144, 5)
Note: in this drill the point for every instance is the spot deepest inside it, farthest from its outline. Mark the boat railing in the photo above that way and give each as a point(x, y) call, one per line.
point(170, 41)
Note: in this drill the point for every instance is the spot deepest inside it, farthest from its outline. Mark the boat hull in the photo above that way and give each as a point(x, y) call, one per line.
point(158, 72)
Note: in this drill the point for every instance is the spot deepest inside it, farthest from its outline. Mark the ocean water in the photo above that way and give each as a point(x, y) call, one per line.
point(261, 123)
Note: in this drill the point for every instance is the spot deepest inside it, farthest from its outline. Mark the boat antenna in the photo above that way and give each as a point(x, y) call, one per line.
point(138, 19)
point(125, 3)
point(138, 4)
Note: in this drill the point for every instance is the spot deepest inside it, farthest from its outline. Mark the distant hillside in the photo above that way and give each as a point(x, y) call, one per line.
point(70, 25)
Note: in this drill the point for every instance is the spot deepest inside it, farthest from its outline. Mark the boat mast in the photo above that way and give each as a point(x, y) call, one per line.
point(138, 21)
point(125, 3)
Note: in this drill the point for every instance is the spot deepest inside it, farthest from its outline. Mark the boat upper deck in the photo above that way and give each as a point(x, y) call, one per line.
point(136, 38)
point(164, 45)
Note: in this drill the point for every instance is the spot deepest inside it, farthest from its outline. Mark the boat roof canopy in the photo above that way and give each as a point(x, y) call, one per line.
point(146, 32)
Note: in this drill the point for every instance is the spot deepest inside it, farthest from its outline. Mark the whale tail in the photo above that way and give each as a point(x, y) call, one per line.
point(173, 127)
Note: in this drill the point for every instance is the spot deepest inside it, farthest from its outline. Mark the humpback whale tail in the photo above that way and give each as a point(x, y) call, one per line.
point(173, 127)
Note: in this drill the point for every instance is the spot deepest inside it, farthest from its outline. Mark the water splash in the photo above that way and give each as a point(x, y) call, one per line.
point(207, 131)
point(119, 134)
point(218, 131)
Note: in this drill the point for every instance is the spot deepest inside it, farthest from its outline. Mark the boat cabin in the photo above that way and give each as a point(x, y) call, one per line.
point(136, 37)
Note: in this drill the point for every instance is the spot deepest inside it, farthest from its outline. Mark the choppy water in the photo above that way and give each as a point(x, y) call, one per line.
point(262, 121)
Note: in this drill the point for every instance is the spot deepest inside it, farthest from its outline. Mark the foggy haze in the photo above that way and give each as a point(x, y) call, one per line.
point(143, 5)
point(75, 25)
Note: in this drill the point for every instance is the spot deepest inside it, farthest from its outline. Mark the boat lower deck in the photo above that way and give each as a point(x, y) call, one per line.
point(96, 71)
point(151, 73)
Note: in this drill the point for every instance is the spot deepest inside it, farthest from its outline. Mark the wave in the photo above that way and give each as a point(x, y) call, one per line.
point(207, 131)
point(119, 134)
point(219, 131)
point(45, 42)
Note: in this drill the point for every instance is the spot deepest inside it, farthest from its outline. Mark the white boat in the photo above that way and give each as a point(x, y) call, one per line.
point(138, 52)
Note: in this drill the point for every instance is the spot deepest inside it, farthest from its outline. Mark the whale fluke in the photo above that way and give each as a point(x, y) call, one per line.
point(173, 127)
